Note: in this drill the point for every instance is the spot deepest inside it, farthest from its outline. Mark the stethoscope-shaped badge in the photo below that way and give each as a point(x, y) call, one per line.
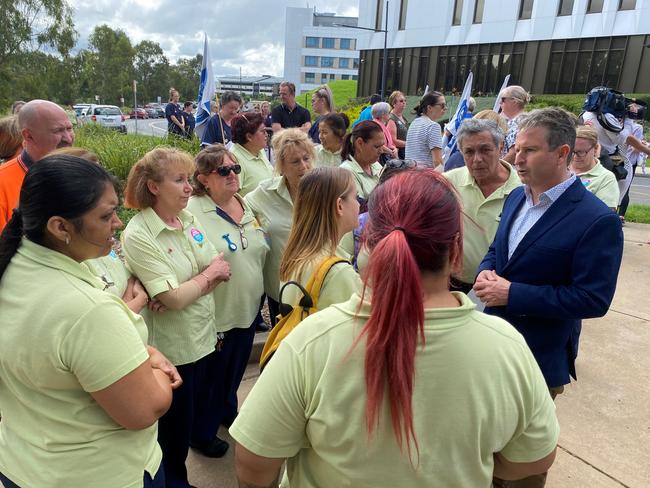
point(231, 245)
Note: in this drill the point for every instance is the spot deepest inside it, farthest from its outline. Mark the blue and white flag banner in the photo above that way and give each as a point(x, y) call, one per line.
point(206, 90)
point(497, 105)
point(457, 119)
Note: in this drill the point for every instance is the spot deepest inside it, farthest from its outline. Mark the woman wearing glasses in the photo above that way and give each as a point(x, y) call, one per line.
point(166, 248)
point(322, 102)
point(513, 100)
point(586, 166)
point(233, 230)
point(424, 137)
point(250, 137)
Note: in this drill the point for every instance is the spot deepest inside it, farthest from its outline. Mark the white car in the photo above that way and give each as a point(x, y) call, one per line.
point(106, 115)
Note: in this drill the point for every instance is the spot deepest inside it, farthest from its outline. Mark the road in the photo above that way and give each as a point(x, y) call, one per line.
point(148, 127)
point(640, 191)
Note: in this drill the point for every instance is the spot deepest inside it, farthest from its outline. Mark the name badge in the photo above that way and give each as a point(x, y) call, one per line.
point(196, 234)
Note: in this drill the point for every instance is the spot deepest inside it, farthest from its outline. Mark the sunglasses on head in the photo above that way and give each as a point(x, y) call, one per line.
point(225, 170)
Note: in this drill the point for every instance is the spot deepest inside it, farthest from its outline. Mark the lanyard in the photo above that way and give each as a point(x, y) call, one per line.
point(231, 245)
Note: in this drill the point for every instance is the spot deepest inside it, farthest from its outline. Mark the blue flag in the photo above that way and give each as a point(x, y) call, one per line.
point(461, 114)
point(206, 91)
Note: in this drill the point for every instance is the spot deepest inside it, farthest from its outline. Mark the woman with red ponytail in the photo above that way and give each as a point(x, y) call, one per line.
point(407, 384)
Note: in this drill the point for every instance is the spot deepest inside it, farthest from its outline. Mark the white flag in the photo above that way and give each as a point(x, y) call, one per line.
point(497, 104)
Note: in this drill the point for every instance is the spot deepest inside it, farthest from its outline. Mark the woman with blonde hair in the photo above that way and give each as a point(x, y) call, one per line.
point(11, 140)
point(398, 125)
point(586, 166)
point(273, 201)
point(322, 102)
point(513, 100)
point(326, 209)
point(233, 230)
point(174, 114)
point(166, 248)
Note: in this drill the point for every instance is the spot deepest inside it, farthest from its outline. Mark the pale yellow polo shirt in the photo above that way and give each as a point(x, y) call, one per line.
point(62, 337)
point(326, 158)
point(163, 258)
point(112, 271)
point(237, 300)
point(482, 215)
point(602, 183)
point(254, 168)
point(477, 391)
point(340, 283)
point(272, 205)
point(365, 182)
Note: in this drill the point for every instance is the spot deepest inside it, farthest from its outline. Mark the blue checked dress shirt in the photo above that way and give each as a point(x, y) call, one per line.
point(529, 214)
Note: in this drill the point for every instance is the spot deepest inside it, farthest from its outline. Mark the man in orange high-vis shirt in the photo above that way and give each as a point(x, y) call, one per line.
point(45, 127)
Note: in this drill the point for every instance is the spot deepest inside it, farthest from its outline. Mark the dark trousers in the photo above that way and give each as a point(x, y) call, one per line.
point(622, 208)
point(274, 310)
point(224, 374)
point(175, 427)
point(158, 481)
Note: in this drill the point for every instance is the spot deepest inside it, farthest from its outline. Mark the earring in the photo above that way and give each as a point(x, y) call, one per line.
point(67, 240)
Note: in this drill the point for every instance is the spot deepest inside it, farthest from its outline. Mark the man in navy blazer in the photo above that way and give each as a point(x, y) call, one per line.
point(557, 251)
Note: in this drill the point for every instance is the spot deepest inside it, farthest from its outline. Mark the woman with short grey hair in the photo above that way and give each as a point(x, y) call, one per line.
point(381, 115)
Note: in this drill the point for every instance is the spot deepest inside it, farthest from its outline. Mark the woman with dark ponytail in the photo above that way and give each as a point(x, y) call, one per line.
point(73, 358)
point(395, 386)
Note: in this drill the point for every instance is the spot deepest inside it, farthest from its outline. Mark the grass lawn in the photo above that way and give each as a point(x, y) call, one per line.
point(638, 213)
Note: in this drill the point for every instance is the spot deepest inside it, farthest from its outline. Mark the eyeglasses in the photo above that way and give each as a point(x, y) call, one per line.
point(225, 170)
point(503, 99)
point(582, 154)
point(442, 105)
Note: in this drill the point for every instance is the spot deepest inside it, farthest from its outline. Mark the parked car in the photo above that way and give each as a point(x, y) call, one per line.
point(106, 115)
point(152, 113)
point(158, 108)
point(138, 113)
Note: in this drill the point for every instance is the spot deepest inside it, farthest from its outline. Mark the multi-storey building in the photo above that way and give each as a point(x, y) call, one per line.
point(318, 49)
point(249, 85)
point(547, 46)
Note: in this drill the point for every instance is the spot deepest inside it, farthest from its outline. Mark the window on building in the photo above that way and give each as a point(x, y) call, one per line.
point(478, 11)
point(332, 76)
point(326, 62)
point(403, 7)
point(310, 78)
point(311, 42)
point(328, 43)
point(525, 9)
point(311, 60)
point(344, 63)
point(595, 6)
point(379, 14)
point(626, 4)
point(458, 12)
point(355, 63)
point(345, 77)
point(323, 78)
point(345, 44)
point(355, 77)
point(565, 8)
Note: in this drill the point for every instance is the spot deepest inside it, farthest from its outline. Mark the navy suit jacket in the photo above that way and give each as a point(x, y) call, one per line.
point(564, 270)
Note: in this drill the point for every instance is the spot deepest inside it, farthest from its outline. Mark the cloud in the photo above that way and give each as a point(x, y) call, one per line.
point(246, 34)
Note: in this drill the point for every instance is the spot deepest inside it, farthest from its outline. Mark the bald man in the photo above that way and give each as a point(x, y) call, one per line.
point(44, 127)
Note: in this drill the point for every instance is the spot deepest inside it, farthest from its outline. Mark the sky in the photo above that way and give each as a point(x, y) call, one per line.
point(243, 33)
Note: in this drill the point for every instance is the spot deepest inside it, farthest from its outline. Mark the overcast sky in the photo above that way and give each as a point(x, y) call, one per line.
point(246, 33)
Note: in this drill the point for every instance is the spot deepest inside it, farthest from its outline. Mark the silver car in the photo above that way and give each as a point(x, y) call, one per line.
point(106, 115)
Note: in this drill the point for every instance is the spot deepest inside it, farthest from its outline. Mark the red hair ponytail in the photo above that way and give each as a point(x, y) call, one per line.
point(414, 221)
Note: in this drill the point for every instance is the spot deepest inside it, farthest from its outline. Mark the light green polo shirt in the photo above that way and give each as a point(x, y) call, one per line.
point(477, 391)
point(163, 258)
point(237, 300)
point(62, 337)
point(602, 183)
point(272, 205)
point(254, 168)
point(482, 215)
point(112, 271)
point(340, 283)
point(326, 158)
point(365, 182)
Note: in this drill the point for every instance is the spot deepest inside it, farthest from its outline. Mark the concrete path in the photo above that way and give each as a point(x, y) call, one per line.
point(605, 416)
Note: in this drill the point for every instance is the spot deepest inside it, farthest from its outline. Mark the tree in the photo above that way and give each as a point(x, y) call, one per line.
point(111, 62)
point(152, 70)
point(186, 75)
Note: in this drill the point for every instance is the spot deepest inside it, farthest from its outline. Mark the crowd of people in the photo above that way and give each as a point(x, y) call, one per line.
point(398, 380)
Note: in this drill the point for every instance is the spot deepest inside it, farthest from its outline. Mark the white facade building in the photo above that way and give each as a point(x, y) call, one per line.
point(548, 46)
point(316, 51)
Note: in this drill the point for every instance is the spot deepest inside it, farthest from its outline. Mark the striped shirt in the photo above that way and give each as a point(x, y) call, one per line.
point(530, 213)
point(423, 135)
